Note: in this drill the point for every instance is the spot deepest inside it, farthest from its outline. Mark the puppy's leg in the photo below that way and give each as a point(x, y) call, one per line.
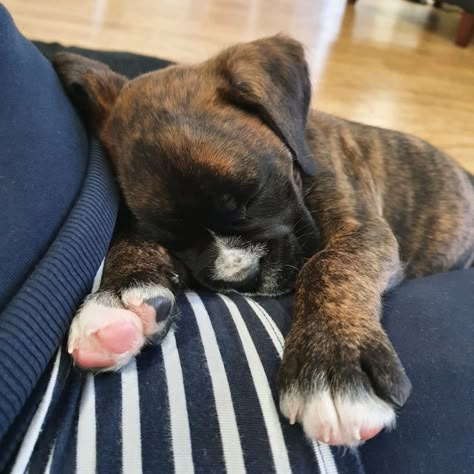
point(134, 304)
point(340, 376)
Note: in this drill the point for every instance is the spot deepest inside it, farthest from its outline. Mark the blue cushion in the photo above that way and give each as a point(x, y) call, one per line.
point(43, 157)
point(431, 324)
point(58, 209)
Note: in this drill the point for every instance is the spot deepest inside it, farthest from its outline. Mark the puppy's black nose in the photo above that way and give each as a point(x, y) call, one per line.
point(162, 307)
point(250, 281)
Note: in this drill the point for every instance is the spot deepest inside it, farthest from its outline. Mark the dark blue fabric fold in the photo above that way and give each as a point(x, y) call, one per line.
point(35, 321)
point(43, 157)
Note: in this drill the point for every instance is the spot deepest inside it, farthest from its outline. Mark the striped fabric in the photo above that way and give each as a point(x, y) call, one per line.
point(204, 401)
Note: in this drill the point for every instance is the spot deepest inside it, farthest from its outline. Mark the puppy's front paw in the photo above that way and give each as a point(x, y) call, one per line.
point(342, 394)
point(108, 331)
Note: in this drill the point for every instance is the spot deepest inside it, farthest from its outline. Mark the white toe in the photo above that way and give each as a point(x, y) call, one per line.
point(341, 420)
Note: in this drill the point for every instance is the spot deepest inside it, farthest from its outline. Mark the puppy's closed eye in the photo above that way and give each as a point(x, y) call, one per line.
point(228, 203)
point(228, 210)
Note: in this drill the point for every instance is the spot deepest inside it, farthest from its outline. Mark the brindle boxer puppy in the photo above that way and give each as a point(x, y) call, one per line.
point(231, 182)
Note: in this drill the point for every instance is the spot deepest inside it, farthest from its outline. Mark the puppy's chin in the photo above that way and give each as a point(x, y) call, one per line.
point(270, 293)
point(273, 280)
point(268, 289)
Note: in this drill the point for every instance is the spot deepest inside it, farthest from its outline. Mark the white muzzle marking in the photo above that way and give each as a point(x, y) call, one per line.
point(235, 260)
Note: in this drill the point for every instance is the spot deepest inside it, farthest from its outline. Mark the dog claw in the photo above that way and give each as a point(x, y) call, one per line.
point(293, 415)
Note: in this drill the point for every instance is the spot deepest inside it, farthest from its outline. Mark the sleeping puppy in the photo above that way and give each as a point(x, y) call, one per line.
point(230, 182)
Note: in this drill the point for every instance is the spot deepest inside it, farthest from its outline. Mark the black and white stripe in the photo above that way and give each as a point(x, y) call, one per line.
point(322, 451)
point(204, 401)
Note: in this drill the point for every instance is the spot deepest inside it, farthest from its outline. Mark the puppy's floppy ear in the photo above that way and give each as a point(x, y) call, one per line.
point(270, 78)
point(91, 85)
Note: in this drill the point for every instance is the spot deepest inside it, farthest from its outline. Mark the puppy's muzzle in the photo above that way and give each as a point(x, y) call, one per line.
point(238, 266)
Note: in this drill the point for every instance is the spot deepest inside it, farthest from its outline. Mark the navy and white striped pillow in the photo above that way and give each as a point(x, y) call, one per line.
point(204, 401)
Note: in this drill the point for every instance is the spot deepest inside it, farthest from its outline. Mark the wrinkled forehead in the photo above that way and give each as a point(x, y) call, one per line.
point(181, 114)
point(175, 86)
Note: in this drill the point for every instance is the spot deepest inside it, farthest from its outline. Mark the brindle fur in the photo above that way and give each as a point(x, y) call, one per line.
point(383, 204)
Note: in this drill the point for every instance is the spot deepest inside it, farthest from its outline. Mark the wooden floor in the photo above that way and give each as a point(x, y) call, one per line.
point(388, 63)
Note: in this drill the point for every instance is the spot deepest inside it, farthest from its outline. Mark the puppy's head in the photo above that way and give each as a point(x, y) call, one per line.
point(210, 158)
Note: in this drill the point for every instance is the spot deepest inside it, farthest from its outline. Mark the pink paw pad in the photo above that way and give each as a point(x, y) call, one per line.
point(118, 337)
point(146, 313)
point(365, 434)
point(105, 337)
point(92, 359)
point(368, 433)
